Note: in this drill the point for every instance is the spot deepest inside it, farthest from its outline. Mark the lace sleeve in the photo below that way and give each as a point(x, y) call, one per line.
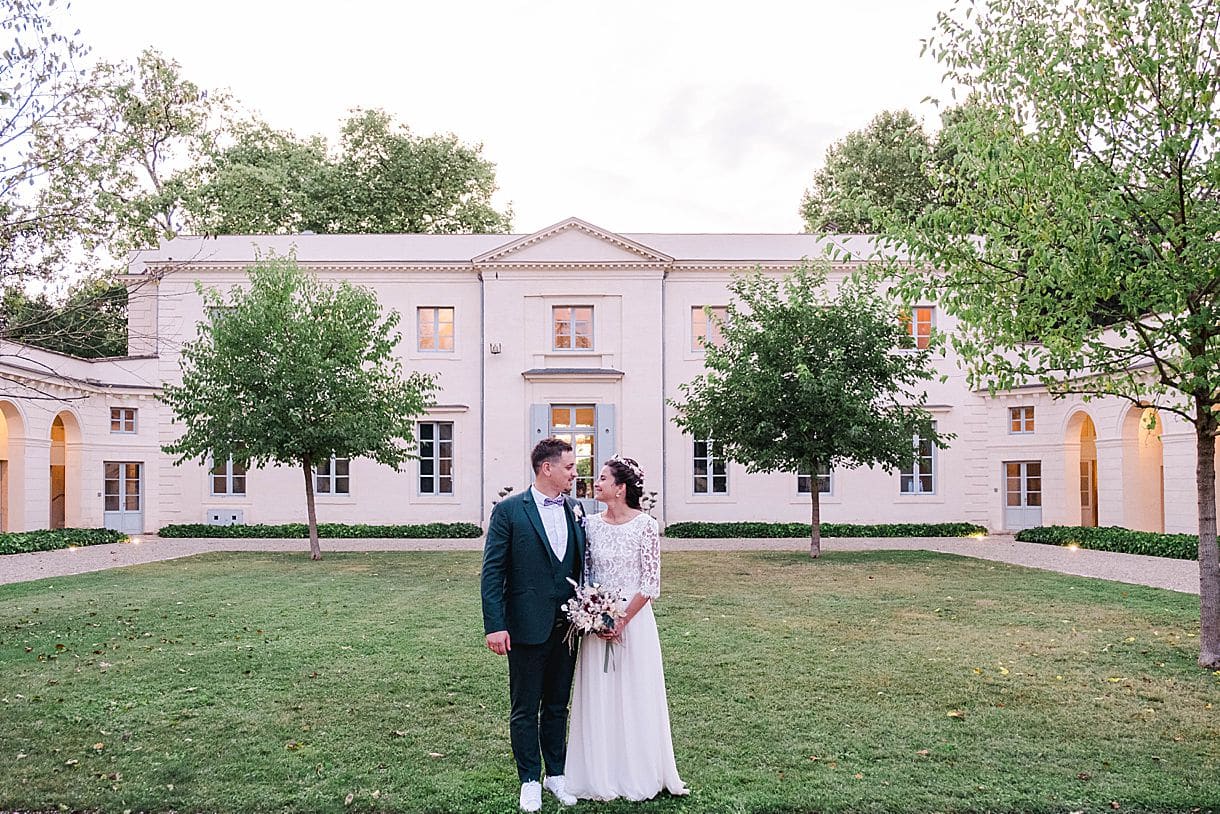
point(650, 560)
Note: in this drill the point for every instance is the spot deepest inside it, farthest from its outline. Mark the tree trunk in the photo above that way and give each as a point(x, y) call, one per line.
point(315, 550)
point(1209, 556)
point(815, 519)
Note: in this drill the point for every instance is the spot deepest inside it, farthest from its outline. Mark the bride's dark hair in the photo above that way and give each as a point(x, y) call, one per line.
point(628, 473)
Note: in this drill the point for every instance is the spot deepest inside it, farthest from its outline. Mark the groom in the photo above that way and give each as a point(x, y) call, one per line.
point(533, 545)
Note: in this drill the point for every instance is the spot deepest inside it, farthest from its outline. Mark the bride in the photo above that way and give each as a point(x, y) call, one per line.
point(620, 744)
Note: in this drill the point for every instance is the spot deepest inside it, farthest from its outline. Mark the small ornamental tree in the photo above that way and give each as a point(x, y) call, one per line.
point(1084, 247)
point(292, 371)
point(803, 381)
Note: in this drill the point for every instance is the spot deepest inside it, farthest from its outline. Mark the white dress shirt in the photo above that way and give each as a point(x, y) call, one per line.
point(555, 521)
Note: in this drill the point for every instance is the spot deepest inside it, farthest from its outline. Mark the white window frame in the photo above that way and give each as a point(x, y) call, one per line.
point(913, 477)
point(911, 322)
point(331, 477)
point(698, 339)
point(1021, 420)
point(230, 476)
point(431, 315)
point(710, 476)
point(123, 420)
point(435, 459)
point(556, 311)
point(827, 478)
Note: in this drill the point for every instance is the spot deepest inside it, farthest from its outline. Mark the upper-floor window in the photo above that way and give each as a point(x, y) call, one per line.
point(703, 330)
point(711, 469)
point(436, 458)
point(572, 327)
point(920, 477)
point(123, 419)
point(803, 482)
point(1020, 419)
point(228, 478)
point(333, 478)
point(435, 331)
point(918, 322)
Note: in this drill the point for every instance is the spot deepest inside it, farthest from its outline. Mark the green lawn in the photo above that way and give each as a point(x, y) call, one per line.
point(895, 681)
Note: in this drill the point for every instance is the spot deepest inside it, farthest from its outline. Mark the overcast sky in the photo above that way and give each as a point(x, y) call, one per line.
point(636, 115)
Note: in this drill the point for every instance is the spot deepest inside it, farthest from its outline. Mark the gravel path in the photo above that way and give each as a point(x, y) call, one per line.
point(1158, 572)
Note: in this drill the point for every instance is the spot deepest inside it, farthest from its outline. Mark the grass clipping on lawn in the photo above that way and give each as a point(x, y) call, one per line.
point(883, 681)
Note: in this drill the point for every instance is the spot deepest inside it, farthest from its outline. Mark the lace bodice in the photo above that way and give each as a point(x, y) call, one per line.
point(626, 556)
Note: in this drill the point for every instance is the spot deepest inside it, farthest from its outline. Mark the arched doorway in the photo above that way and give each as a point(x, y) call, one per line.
point(1080, 444)
point(12, 467)
point(65, 471)
point(1143, 470)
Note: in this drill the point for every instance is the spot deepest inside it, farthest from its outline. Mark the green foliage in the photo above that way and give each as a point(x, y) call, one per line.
point(871, 175)
point(40, 90)
point(334, 530)
point(381, 178)
point(804, 380)
point(22, 542)
point(1115, 538)
point(90, 323)
point(701, 529)
point(1082, 251)
point(919, 682)
point(294, 371)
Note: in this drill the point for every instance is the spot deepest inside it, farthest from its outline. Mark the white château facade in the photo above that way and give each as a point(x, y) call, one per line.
point(572, 331)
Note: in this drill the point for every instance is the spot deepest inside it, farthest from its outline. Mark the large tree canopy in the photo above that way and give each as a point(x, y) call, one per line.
point(806, 380)
point(293, 371)
point(381, 178)
point(1083, 248)
point(874, 173)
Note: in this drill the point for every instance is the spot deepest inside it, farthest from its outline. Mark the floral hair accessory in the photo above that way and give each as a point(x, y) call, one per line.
point(637, 471)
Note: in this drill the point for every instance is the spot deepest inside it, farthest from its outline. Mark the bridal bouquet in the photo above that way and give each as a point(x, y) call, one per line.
point(593, 609)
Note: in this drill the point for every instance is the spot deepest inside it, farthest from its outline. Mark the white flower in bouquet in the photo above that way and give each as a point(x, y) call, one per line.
point(593, 609)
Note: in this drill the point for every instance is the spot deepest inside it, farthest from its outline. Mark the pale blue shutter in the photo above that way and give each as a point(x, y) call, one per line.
point(540, 427)
point(604, 445)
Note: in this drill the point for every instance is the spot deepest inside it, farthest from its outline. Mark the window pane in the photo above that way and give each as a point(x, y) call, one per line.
point(925, 483)
point(1034, 468)
point(426, 431)
point(112, 502)
point(584, 314)
point(425, 484)
point(1014, 498)
point(426, 466)
point(324, 467)
point(700, 466)
point(802, 484)
point(908, 483)
point(720, 484)
point(446, 431)
point(426, 449)
point(561, 417)
point(700, 484)
point(585, 417)
point(446, 486)
point(219, 485)
point(445, 467)
point(701, 449)
point(1034, 499)
point(341, 465)
point(341, 486)
point(323, 487)
point(239, 484)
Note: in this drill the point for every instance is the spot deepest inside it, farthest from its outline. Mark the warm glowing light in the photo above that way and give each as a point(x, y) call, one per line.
point(978, 535)
point(1073, 547)
point(71, 548)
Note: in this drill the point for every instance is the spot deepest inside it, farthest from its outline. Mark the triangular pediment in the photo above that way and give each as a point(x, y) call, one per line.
point(573, 241)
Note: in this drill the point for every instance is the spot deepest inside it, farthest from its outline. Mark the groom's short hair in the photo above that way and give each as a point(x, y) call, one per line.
point(548, 449)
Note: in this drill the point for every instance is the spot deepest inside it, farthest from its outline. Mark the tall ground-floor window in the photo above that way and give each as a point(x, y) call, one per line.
point(333, 477)
point(436, 458)
point(920, 477)
point(576, 424)
point(804, 482)
point(710, 468)
point(228, 478)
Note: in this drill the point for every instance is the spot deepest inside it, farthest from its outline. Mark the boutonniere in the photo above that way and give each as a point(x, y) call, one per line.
point(578, 512)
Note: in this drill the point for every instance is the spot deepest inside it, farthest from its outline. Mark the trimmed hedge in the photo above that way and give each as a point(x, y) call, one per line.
point(24, 542)
point(828, 530)
point(1114, 538)
point(448, 530)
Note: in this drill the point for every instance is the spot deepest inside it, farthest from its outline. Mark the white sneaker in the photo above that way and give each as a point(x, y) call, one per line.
point(531, 796)
point(558, 786)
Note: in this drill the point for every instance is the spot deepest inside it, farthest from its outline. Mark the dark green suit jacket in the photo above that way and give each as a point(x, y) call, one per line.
point(523, 584)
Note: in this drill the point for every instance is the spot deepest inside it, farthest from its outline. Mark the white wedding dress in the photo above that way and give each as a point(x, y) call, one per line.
point(619, 744)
